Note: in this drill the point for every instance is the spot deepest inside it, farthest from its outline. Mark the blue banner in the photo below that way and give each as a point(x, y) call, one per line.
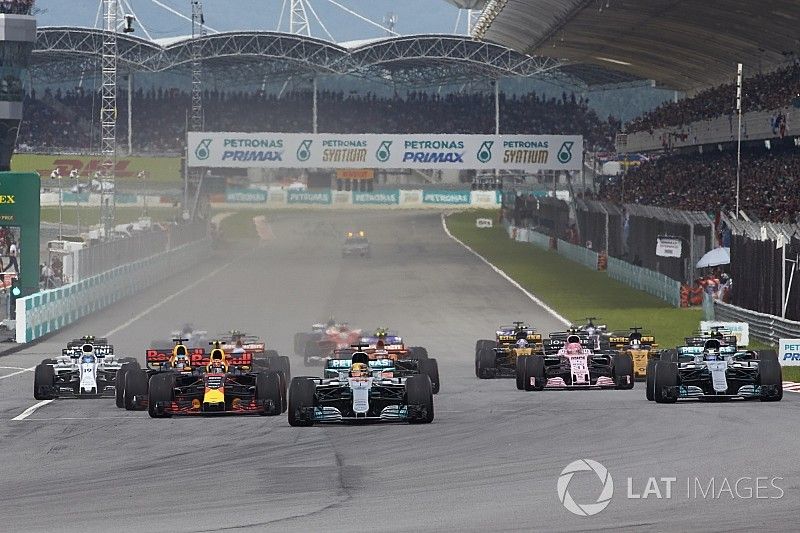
point(309, 197)
point(386, 197)
point(446, 197)
point(73, 197)
point(245, 196)
point(125, 198)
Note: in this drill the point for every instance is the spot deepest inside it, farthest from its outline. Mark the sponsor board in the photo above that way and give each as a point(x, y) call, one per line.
point(246, 196)
point(370, 151)
point(446, 197)
point(668, 247)
point(484, 223)
point(125, 198)
point(789, 352)
point(71, 197)
point(484, 197)
point(309, 197)
point(740, 329)
point(157, 168)
point(387, 197)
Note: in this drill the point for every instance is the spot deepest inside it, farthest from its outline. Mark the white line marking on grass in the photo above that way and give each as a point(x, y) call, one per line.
point(30, 410)
point(508, 278)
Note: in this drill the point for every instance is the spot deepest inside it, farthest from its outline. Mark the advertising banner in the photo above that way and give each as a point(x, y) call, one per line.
point(446, 197)
point(668, 247)
point(789, 352)
point(246, 196)
point(309, 197)
point(385, 197)
point(530, 153)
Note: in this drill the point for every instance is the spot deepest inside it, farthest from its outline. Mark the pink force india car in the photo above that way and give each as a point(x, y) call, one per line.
point(575, 363)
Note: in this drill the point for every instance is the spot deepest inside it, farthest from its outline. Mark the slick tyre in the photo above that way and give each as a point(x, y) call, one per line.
point(302, 392)
point(520, 371)
point(44, 379)
point(430, 367)
point(769, 373)
point(666, 376)
point(419, 394)
point(119, 386)
point(486, 364)
point(533, 374)
point(269, 390)
point(479, 346)
point(623, 371)
point(650, 379)
point(418, 352)
point(136, 384)
point(300, 340)
point(161, 390)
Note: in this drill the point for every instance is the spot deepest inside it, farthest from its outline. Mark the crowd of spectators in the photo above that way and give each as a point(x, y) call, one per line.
point(769, 183)
point(16, 7)
point(763, 92)
point(67, 120)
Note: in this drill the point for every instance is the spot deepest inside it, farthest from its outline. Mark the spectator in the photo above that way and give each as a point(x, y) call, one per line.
point(12, 257)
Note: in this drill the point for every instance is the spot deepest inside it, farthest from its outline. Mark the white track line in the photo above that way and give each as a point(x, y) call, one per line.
point(31, 369)
point(508, 278)
point(12, 368)
point(30, 410)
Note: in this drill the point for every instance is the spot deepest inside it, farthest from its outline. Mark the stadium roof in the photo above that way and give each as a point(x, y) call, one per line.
point(67, 53)
point(682, 44)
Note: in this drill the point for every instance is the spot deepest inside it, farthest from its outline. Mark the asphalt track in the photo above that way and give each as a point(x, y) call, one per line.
point(490, 460)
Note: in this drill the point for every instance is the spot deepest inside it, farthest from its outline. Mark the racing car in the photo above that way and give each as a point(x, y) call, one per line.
point(323, 340)
point(86, 369)
point(638, 346)
point(235, 342)
point(192, 338)
point(135, 383)
point(356, 244)
point(498, 358)
point(712, 367)
point(363, 390)
point(596, 336)
point(576, 364)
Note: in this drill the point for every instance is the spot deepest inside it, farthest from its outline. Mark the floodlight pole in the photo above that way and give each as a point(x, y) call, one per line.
point(739, 134)
point(315, 111)
point(496, 116)
point(108, 114)
point(130, 112)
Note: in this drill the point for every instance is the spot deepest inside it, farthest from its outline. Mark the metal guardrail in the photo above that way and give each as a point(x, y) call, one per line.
point(645, 280)
point(764, 327)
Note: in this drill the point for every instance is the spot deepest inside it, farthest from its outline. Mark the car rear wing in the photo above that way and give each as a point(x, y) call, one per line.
point(620, 342)
point(507, 337)
point(198, 359)
point(551, 346)
point(101, 350)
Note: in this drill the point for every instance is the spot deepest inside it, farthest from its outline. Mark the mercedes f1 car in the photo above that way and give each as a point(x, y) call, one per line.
point(356, 244)
point(574, 363)
point(363, 390)
point(324, 340)
point(86, 369)
point(498, 358)
point(236, 376)
point(712, 367)
point(640, 347)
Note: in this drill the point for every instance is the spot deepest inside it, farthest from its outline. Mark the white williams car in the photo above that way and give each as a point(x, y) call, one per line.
point(86, 368)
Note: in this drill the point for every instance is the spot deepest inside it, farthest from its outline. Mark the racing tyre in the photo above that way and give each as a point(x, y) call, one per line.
point(300, 340)
point(161, 389)
point(769, 373)
point(44, 379)
point(431, 368)
point(281, 364)
point(419, 393)
point(520, 371)
point(650, 378)
point(270, 353)
point(418, 352)
point(623, 371)
point(119, 386)
point(669, 355)
point(534, 371)
point(311, 350)
point(486, 363)
point(483, 344)
point(301, 396)
point(666, 376)
point(129, 361)
point(269, 388)
point(136, 384)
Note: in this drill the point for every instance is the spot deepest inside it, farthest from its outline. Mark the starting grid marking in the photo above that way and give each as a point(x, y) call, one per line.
point(791, 386)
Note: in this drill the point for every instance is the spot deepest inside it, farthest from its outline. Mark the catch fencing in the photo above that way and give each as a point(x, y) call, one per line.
point(645, 280)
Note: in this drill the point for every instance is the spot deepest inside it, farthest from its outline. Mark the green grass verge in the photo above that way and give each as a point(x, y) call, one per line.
point(791, 373)
point(159, 169)
point(91, 215)
point(573, 290)
point(240, 226)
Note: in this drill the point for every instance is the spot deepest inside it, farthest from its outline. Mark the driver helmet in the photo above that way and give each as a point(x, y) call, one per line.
point(522, 343)
point(238, 347)
point(635, 342)
point(182, 362)
point(359, 370)
point(574, 348)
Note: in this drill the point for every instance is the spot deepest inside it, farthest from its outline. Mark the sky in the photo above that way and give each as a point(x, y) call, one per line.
point(413, 16)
